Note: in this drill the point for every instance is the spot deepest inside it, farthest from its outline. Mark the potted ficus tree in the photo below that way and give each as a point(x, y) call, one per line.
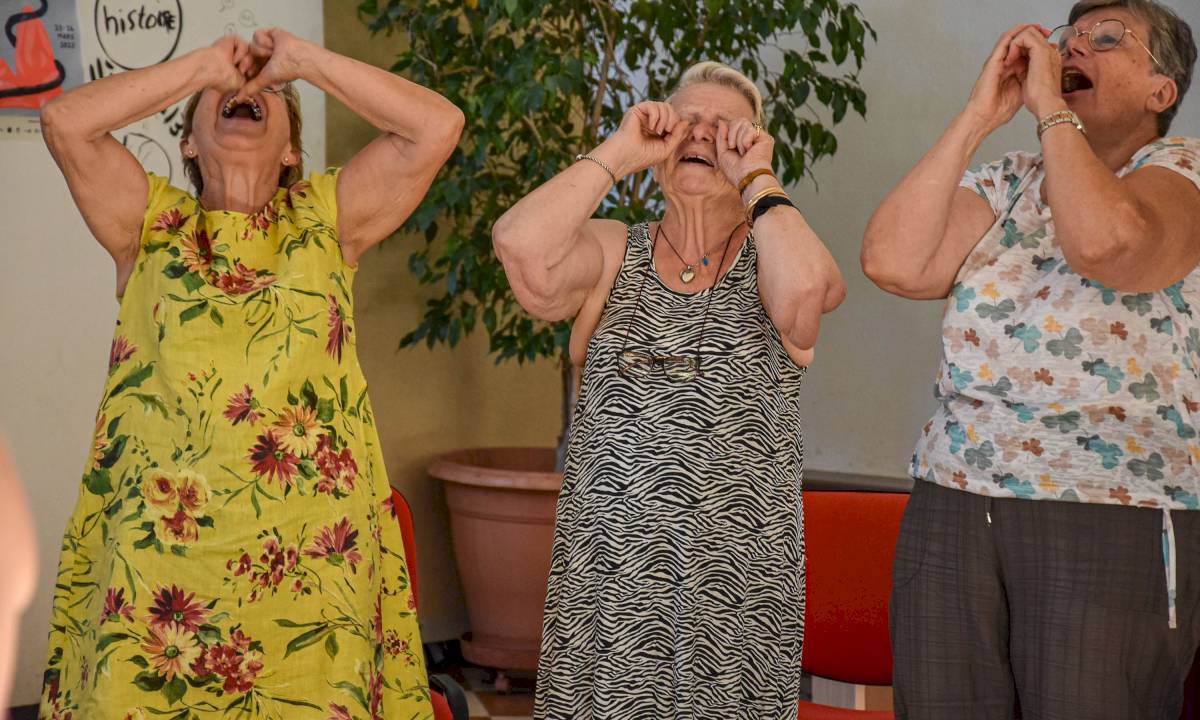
point(539, 81)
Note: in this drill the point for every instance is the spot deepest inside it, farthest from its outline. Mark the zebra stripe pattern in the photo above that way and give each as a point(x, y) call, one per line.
point(677, 580)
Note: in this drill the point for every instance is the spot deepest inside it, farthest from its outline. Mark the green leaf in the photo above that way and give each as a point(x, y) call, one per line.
point(324, 410)
point(193, 312)
point(109, 639)
point(98, 481)
point(174, 690)
point(297, 703)
point(114, 452)
point(305, 639)
point(193, 282)
point(152, 403)
point(135, 378)
point(309, 395)
point(148, 681)
point(331, 645)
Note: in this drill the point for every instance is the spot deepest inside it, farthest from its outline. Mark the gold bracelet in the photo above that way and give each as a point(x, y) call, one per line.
point(745, 183)
point(776, 190)
point(601, 163)
point(769, 192)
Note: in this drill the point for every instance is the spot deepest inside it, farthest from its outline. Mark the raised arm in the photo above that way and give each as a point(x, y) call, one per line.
point(550, 248)
point(385, 181)
point(924, 229)
point(798, 279)
point(1135, 233)
point(105, 179)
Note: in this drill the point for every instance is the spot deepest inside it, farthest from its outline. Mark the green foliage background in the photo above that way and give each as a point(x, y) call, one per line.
point(543, 80)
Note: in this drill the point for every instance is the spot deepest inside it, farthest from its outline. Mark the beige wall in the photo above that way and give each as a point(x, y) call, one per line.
point(427, 401)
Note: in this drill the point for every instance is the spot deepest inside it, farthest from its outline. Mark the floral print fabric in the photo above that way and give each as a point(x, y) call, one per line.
point(233, 552)
point(1053, 386)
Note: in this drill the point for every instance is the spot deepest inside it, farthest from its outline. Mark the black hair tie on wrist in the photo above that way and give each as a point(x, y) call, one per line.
point(767, 203)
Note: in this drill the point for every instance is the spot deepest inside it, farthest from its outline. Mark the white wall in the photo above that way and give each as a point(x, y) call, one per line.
point(865, 399)
point(871, 388)
point(57, 306)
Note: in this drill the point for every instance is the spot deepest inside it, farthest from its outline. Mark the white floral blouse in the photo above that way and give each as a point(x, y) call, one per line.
point(1053, 386)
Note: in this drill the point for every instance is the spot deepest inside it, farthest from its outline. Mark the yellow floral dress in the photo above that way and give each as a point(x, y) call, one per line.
point(234, 552)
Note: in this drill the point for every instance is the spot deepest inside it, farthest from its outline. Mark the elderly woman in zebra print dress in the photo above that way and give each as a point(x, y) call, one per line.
point(677, 580)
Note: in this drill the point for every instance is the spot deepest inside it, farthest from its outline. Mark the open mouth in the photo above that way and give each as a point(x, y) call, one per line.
point(247, 109)
point(1073, 81)
point(698, 159)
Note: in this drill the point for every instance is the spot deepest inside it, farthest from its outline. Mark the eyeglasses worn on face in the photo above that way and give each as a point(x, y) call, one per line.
point(1104, 36)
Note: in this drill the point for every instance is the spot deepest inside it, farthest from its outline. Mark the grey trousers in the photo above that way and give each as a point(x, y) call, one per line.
point(1061, 604)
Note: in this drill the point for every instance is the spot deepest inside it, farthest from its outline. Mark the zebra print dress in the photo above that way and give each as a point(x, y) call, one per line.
point(677, 580)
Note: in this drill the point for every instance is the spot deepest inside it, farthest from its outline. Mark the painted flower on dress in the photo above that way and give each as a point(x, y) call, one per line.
point(260, 221)
point(375, 693)
point(337, 544)
point(135, 714)
point(120, 351)
point(339, 329)
point(235, 662)
point(171, 648)
point(100, 439)
point(242, 280)
point(297, 428)
point(338, 712)
point(272, 460)
point(197, 251)
point(172, 606)
point(193, 492)
point(393, 644)
point(242, 406)
point(275, 563)
point(158, 490)
point(299, 190)
point(53, 702)
point(338, 469)
point(169, 220)
point(179, 528)
point(176, 504)
point(115, 606)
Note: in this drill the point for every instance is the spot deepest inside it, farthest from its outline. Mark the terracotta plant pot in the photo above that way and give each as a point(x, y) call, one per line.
point(501, 504)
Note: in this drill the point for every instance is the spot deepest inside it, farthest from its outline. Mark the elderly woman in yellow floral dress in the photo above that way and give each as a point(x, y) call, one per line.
point(232, 551)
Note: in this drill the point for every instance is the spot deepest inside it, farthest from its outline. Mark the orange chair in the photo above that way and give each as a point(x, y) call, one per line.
point(449, 700)
point(849, 539)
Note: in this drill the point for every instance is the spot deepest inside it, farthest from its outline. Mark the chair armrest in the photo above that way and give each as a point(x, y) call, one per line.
point(456, 698)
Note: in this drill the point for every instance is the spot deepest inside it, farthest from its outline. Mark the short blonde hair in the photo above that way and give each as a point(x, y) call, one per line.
point(718, 73)
point(288, 174)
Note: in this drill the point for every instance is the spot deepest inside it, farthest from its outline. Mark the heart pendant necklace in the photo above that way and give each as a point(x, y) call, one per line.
point(688, 273)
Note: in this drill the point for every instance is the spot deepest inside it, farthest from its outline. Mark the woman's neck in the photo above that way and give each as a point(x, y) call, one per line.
point(700, 225)
point(239, 188)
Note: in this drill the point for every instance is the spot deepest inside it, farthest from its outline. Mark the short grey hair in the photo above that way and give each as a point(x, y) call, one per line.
point(717, 73)
point(1170, 40)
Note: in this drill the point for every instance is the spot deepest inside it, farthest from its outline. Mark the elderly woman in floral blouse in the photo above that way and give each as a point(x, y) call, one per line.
point(1051, 548)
